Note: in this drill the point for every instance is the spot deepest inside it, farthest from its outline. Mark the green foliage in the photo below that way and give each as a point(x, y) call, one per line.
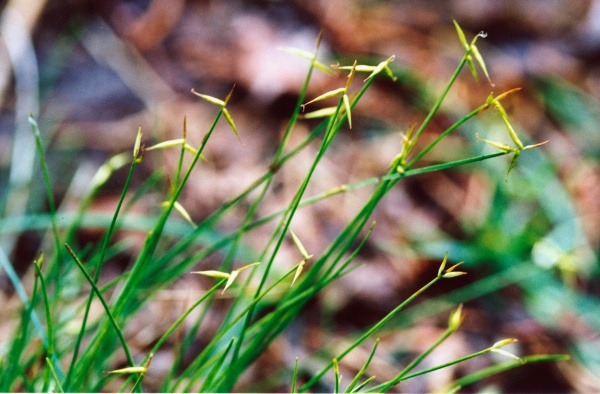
point(84, 360)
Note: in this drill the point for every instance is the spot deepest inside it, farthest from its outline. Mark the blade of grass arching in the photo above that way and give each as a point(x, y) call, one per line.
point(499, 368)
point(49, 326)
point(362, 370)
point(177, 323)
point(99, 263)
point(51, 204)
point(216, 366)
point(104, 304)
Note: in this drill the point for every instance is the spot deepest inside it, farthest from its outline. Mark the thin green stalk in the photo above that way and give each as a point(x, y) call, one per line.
point(224, 329)
point(181, 154)
point(294, 117)
point(149, 248)
point(336, 376)
point(380, 387)
point(49, 326)
point(216, 366)
point(177, 323)
point(107, 238)
point(498, 368)
point(370, 332)
point(51, 201)
point(99, 179)
point(362, 370)
point(449, 331)
point(446, 132)
point(332, 130)
point(441, 98)
point(282, 228)
point(359, 388)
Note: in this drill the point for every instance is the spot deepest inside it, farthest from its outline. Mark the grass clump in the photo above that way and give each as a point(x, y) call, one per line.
point(46, 353)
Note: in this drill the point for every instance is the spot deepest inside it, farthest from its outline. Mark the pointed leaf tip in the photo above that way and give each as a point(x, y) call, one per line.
point(232, 124)
point(461, 35)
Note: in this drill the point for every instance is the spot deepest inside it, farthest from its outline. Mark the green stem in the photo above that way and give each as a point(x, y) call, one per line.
point(368, 333)
point(441, 98)
point(50, 348)
point(417, 360)
point(99, 264)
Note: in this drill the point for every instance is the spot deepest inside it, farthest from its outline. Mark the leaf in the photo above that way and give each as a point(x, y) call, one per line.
point(461, 35)
point(347, 106)
point(300, 246)
point(480, 61)
point(213, 274)
point(230, 121)
point(136, 146)
point(210, 99)
point(381, 66)
point(320, 113)
point(129, 370)
point(331, 93)
point(298, 271)
point(472, 67)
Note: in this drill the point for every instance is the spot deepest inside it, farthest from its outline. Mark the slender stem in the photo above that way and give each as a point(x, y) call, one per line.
point(368, 333)
point(445, 134)
point(99, 264)
point(417, 360)
point(441, 98)
point(49, 325)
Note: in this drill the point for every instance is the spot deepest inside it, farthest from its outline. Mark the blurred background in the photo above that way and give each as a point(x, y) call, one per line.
point(92, 72)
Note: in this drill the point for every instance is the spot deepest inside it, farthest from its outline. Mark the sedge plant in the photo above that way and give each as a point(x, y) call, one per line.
point(265, 299)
